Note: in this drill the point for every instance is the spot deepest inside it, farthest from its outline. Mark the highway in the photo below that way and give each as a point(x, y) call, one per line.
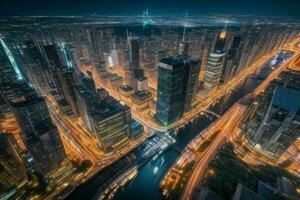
point(227, 125)
point(79, 143)
point(235, 115)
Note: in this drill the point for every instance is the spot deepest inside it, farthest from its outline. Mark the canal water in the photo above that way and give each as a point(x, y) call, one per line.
point(145, 186)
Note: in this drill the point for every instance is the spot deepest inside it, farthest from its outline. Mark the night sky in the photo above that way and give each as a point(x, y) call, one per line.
point(289, 8)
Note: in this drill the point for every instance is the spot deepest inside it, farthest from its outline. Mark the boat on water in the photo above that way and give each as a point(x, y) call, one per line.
point(157, 167)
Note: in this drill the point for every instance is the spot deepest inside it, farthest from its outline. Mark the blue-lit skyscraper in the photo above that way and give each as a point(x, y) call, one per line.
point(171, 92)
point(9, 61)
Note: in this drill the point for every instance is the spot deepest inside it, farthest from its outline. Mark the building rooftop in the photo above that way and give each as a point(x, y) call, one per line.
point(172, 61)
point(107, 108)
point(104, 110)
point(141, 95)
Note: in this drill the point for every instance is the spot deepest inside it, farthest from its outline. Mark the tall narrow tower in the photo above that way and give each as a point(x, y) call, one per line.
point(146, 18)
point(183, 46)
point(215, 64)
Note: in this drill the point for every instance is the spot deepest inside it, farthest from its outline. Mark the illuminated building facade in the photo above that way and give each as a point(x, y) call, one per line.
point(111, 124)
point(232, 59)
point(214, 66)
point(12, 169)
point(271, 129)
point(39, 134)
point(170, 90)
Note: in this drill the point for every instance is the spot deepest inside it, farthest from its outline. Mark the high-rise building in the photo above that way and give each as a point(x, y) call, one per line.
point(271, 124)
point(134, 59)
point(215, 64)
point(112, 58)
point(95, 39)
point(132, 70)
point(10, 66)
point(88, 83)
point(85, 104)
point(35, 64)
point(171, 90)
point(67, 80)
point(63, 74)
point(192, 82)
point(38, 132)
point(12, 168)
point(13, 82)
point(111, 124)
point(231, 60)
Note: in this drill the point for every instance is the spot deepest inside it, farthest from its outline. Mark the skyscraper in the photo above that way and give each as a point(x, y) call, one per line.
point(35, 64)
point(39, 134)
point(215, 64)
point(85, 104)
point(134, 60)
point(63, 74)
point(171, 92)
point(12, 80)
point(232, 60)
point(192, 71)
point(67, 80)
point(111, 124)
point(10, 65)
point(133, 71)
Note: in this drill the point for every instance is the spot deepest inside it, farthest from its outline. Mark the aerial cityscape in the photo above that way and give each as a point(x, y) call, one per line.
point(149, 100)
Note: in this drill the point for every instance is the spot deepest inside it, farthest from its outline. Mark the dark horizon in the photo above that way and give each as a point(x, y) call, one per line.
point(287, 8)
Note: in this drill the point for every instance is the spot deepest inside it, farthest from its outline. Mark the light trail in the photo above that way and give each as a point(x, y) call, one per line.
point(12, 60)
point(227, 128)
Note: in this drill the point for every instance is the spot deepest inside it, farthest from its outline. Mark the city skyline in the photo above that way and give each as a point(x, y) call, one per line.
point(131, 102)
point(121, 7)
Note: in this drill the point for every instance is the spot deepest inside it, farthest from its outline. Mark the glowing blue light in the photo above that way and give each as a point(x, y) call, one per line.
point(12, 60)
point(146, 18)
point(30, 160)
point(65, 54)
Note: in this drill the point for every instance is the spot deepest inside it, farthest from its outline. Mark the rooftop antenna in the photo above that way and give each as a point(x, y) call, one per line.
point(146, 19)
point(184, 29)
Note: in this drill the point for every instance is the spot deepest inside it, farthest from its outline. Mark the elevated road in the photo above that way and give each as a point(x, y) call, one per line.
point(227, 125)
